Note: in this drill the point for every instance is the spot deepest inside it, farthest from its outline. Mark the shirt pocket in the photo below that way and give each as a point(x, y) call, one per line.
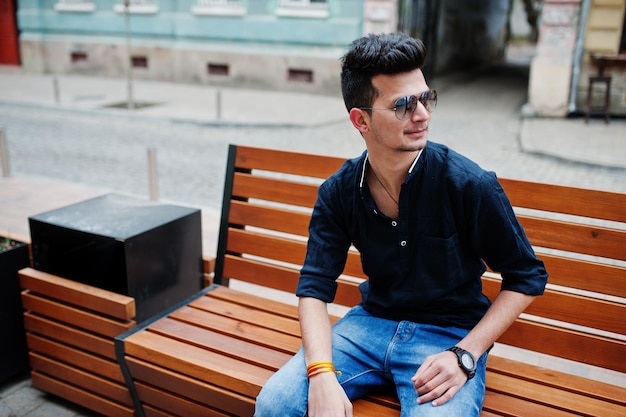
point(439, 265)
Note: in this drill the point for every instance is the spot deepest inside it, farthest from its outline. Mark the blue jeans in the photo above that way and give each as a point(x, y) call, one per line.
point(371, 353)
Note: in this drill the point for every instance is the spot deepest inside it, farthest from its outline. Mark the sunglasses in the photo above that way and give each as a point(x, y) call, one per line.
point(405, 106)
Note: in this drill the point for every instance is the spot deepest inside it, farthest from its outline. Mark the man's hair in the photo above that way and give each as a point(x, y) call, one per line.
point(372, 55)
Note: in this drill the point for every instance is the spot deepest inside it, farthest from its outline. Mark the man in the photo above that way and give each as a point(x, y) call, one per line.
point(424, 219)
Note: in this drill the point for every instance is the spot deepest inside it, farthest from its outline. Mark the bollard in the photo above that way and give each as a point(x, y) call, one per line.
point(55, 86)
point(152, 174)
point(219, 105)
point(4, 155)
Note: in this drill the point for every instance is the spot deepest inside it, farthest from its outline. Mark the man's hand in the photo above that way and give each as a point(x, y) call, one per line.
point(327, 398)
point(438, 379)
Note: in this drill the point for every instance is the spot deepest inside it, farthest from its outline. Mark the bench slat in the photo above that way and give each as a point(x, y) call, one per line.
point(534, 393)
point(197, 363)
point(274, 189)
point(74, 316)
point(586, 275)
point(275, 248)
point(590, 240)
point(247, 315)
point(506, 405)
point(76, 357)
point(78, 294)
point(604, 205)
point(560, 380)
point(272, 218)
point(282, 278)
point(244, 331)
point(260, 303)
point(191, 388)
point(70, 335)
point(245, 351)
point(571, 308)
point(309, 165)
point(175, 404)
point(79, 396)
point(569, 344)
point(70, 375)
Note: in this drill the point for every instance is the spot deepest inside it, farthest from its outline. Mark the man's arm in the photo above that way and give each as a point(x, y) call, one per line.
point(326, 396)
point(440, 377)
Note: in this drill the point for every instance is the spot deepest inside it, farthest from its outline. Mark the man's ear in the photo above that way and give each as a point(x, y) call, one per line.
point(359, 119)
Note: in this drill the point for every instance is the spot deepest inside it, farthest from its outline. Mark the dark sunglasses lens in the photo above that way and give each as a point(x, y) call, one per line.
point(405, 107)
point(429, 100)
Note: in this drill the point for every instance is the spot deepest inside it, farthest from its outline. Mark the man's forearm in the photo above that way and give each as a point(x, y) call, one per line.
point(316, 330)
point(500, 316)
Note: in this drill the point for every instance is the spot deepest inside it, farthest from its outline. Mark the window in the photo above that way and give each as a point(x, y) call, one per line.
point(219, 8)
point(80, 6)
point(303, 8)
point(137, 6)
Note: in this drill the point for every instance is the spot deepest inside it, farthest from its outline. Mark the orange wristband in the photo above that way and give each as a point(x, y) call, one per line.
point(316, 368)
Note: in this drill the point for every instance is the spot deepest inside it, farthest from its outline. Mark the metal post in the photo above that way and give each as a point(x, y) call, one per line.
point(152, 174)
point(55, 86)
point(4, 155)
point(218, 104)
point(129, 67)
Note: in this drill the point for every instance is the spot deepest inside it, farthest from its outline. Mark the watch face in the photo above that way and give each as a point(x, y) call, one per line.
point(468, 361)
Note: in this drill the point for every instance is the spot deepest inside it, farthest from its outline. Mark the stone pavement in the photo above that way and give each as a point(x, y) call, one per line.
point(471, 119)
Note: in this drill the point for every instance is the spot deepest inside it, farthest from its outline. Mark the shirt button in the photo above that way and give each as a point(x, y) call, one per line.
point(403, 243)
point(394, 223)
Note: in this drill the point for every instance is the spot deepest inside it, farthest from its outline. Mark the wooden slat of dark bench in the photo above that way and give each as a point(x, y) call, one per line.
point(551, 378)
point(79, 396)
point(260, 303)
point(175, 404)
point(568, 200)
point(81, 295)
point(245, 351)
point(76, 377)
point(499, 404)
point(309, 165)
point(74, 316)
point(274, 218)
point(79, 358)
point(572, 308)
point(590, 240)
point(276, 248)
point(248, 315)
point(570, 344)
point(274, 189)
point(70, 335)
point(281, 278)
point(551, 397)
point(244, 331)
point(197, 363)
point(193, 389)
point(586, 275)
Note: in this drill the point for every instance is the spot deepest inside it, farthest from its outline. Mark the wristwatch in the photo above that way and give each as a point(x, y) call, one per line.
point(466, 361)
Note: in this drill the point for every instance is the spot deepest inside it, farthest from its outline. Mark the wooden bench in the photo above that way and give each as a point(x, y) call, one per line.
point(211, 355)
point(70, 335)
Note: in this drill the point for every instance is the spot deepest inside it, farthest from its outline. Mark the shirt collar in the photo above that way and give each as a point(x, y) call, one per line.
point(365, 162)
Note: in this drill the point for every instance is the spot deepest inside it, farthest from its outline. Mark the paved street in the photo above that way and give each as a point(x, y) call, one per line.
point(77, 141)
point(478, 115)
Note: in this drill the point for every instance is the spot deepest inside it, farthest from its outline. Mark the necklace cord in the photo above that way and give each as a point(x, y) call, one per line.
point(383, 185)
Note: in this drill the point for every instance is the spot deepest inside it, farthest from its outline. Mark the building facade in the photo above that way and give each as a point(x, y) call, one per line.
point(279, 44)
point(571, 32)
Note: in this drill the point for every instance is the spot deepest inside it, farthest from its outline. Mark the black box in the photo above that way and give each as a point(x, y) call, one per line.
point(147, 250)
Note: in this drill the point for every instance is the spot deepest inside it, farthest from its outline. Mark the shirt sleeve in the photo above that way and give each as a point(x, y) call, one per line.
point(327, 246)
point(502, 242)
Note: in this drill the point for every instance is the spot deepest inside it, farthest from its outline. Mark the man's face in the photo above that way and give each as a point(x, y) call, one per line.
point(384, 128)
